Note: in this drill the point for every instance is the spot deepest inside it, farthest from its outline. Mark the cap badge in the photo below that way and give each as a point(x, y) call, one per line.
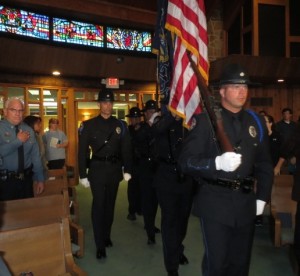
point(242, 74)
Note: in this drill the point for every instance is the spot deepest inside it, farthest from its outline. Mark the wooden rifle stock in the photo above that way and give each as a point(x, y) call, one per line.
point(212, 109)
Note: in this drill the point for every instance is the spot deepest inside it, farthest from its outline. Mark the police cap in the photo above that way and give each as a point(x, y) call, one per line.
point(234, 74)
point(106, 95)
point(151, 104)
point(134, 112)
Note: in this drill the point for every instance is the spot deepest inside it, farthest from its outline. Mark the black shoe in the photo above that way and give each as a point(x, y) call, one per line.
point(173, 273)
point(131, 217)
point(183, 260)
point(156, 230)
point(108, 243)
point(101, 254)
point(151, 240)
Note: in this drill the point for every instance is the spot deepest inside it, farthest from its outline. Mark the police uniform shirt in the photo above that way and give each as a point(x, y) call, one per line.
point(9, 144)
point(197, 158)
point(145, 140)
point(111, 136)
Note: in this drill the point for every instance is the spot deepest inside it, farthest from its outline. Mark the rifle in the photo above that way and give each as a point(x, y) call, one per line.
point(212, 109)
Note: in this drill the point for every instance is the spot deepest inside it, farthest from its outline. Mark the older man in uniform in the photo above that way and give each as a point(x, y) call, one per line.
point(227, 202)
point(109, 140)
point(20, 161)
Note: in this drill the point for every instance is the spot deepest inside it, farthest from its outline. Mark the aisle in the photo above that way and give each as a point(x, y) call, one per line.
point(131, 255)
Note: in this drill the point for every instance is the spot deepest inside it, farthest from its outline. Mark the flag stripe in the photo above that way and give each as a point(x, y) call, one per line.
point(186, 18)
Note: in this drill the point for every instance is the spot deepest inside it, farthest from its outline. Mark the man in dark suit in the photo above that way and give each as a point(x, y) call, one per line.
point(109, 141)
point(226, 201)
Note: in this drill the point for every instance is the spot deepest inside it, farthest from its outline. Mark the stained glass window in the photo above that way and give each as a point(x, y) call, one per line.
point(24, 23)
point(77, 32)
point(118, 38)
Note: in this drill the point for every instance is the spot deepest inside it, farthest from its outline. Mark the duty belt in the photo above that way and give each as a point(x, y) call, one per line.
point(8, 175)
point(107, 158)
point(245, 185)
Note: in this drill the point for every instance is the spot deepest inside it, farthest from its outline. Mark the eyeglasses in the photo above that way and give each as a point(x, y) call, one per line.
point(16, 111)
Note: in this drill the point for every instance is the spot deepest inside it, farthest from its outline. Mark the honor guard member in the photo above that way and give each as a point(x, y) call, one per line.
point(110, 144)
point(174, 190)
point(226, 201)
point(133, 188)
point(20, 160)
point(147, 166)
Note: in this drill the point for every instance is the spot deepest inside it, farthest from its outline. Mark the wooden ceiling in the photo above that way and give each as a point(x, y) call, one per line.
point(26, 57)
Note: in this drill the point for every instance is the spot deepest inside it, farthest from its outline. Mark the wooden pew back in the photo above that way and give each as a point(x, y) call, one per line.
point(29, 212)
point(43, 250)
point(283, 210)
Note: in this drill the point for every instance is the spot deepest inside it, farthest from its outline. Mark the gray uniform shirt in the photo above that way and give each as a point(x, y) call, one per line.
point(9, 144)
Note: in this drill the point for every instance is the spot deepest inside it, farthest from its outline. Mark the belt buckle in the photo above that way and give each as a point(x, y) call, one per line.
point(236, 185)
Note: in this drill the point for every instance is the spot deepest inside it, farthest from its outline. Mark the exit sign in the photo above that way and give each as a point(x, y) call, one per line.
point(112, 83)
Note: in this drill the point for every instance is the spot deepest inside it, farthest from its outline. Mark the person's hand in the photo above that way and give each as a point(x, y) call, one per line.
point(154, 115)
point(23, 136)
point(39, 188)
point(228, 161)
point(84, 182)
point(260, 205)
point(276, 171)
point(127, 176)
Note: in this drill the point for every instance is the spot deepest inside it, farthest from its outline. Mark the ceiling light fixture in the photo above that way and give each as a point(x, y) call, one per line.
point(280, 80)
point(55, 73)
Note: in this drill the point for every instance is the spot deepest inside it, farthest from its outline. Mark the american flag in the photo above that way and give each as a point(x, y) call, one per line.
point(186, 19)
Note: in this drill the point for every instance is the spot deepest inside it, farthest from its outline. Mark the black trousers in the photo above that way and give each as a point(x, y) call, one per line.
point(11, 189)
point(134, 193)
point(149, 198)
point(175, 212)
point(104, 178)
point(227, 249)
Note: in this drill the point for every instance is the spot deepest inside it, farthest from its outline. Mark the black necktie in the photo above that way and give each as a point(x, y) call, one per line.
point(20, 155)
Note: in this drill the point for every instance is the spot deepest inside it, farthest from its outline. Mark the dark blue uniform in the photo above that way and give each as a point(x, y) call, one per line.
point(227, 213)
point(174, 190)
point(134, 191)
point(147, 166)
point(110, 144)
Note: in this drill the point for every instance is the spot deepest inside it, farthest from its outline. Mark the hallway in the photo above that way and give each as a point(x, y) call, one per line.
point(130, 254)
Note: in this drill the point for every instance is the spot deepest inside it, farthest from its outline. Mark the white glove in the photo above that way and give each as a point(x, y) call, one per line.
point(84, 182)
point(154, 115)
point(228, 161)
point(260, 205)
point(126, 176)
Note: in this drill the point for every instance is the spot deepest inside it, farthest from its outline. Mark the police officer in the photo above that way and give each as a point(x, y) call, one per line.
point(147, 167)
point(133, 189)
point(109, 141)
point(20, 161)
point(174, 190)
point(226, 201)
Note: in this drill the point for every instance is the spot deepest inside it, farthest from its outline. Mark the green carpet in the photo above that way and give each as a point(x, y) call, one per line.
point(130, 254)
